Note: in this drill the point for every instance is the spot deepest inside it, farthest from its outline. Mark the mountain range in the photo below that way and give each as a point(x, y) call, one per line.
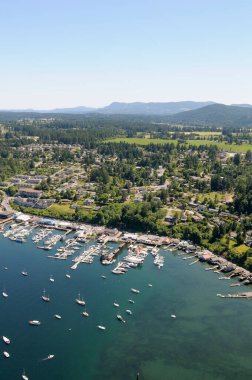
point(135, 108)
point(185, 112)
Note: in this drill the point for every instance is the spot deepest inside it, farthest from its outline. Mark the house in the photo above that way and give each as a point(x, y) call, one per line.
point(28, 192)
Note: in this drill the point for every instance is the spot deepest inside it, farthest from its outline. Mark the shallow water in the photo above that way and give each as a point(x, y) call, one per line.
point(209, 339)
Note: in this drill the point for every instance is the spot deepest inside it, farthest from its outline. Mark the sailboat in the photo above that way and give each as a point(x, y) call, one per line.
point(5, 295)
point(44, 297)
point(24, 377)
point(6, 340)
point(85, 313)
point(80, 301)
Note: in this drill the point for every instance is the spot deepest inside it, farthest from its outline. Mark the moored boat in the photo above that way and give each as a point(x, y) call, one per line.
point(85, 314)
point(120, 318)
point(24, 377)
point(101, 327)
point(6, 354)
point(34, 323)
point(80, 301)
point(6, 340)
point(44, 297)
point(135, 290)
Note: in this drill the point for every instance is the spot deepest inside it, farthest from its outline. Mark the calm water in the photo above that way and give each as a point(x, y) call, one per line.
point(211, 338)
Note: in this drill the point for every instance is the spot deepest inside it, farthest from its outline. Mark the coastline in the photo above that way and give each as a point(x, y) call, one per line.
point(105, 234)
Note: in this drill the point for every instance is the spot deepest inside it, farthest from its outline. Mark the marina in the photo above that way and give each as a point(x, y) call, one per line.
point(145, 297)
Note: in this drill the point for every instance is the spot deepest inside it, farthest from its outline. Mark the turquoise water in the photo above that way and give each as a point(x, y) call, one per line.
point(211, 338)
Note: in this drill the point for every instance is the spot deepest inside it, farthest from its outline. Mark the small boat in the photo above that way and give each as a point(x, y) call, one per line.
point(131, 301)
point(85, 314)
point(50, 356)
point(5, 295)
point(120, 318)
point(104, 277)
point(80, 301)
point(6, 340)
point(68, 276)
point(128, 311)
point(173, 316)
point(44, 297)
point(24, 273)
point(101, 327)
point(57, 316)
point(150, 285)
point(6, 354)
point(135, 290)
point(116, 304)
point(34, 323)
point(24, 377)
point(51, 278)
point(6, 268)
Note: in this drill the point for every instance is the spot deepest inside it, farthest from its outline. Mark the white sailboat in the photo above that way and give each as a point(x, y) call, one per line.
point(101, 327)
point(80, 301)
point(34, 322)
point(6, 340)
point(44, 297)
point(24, 377)
point(51, 278)
point(5, 295)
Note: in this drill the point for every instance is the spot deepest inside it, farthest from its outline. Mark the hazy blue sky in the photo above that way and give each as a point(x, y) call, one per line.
point(79, 52)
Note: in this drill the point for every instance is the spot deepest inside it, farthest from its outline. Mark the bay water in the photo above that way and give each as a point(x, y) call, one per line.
point(211, 338)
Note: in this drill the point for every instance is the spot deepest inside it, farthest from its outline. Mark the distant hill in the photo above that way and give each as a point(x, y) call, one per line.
point(216, 114)
point(141, 108)
point(73, 110)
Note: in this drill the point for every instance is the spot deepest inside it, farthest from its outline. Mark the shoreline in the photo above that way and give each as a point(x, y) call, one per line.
point(104, 234)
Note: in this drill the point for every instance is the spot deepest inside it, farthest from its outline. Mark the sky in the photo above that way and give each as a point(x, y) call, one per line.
point(66, 53)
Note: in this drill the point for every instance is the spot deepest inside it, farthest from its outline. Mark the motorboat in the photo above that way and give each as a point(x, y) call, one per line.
point(104, 277)
point(57, 316)
point(5, 295)
point(24, 273)
point(44, 297)
point(6, 340)
point(80, 301)
point(68, 276)
point(128, 311)
point(135, 290)
point(131, 301)
point(6, 354)
point(34, 323)
point(24, 377)
point(150, 285)
point(51, 278)
point(173, 316)
point(51, 356)
point(116, 304)
point(120, 318)
point(101, 327)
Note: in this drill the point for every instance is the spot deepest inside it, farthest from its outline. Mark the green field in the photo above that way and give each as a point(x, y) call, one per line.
point(62, 209)
point(222, 145)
